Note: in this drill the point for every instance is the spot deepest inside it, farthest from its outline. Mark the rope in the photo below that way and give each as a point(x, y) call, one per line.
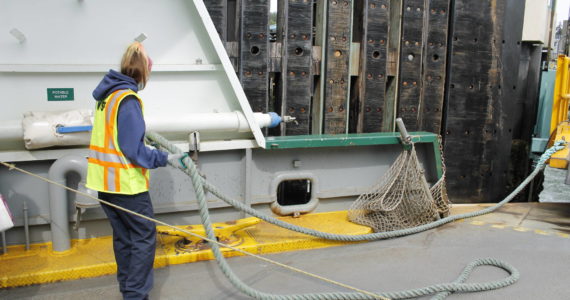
point(210, 240)
point(345, 237)
point(442, 290)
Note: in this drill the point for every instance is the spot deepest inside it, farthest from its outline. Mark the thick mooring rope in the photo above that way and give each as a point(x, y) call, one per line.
point(442, 290)
point(213, 241)
point(345, 237)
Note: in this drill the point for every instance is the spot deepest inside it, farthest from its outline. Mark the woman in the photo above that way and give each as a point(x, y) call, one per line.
point(118, 169)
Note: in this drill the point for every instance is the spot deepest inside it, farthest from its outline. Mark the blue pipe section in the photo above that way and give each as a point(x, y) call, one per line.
point(275, 120)
point(72, 129)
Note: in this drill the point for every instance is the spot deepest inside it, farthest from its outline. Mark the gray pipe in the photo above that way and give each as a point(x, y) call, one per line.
point(26, 226)
point(406, 138)
point(58, 198)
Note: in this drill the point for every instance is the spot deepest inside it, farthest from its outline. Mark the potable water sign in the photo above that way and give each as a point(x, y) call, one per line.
point(60, 94)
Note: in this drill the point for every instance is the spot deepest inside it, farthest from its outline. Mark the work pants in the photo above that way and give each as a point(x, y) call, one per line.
point(134, 243)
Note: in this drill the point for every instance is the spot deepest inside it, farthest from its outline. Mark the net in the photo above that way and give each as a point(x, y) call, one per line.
point(402, 198)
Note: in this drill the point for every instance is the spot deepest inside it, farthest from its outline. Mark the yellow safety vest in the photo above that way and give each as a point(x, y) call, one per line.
point(108, 169)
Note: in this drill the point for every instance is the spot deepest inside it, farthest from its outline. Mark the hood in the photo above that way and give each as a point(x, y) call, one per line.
point(111, 82)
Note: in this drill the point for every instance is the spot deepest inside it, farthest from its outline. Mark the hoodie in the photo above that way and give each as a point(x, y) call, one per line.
point(130, 122)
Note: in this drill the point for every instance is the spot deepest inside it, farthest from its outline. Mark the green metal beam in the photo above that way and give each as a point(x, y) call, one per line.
point(363, 139)
point(340, 140)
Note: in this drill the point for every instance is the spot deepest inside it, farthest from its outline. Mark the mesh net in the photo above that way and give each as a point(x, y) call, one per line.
point(402, 198)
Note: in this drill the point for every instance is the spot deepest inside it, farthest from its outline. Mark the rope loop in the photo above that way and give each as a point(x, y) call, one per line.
point(441, 290)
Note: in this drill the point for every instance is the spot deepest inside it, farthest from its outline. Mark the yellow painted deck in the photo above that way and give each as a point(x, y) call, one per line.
point(94, 257)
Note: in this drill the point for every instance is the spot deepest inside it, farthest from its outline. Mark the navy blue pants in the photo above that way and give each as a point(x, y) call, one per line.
point(134, 243)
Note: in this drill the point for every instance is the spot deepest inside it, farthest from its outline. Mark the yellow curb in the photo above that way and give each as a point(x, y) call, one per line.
point(94, 257)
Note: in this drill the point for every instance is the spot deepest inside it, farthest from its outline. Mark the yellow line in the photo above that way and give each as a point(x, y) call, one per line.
point(542, 232)
point(521, 229)
point(499, 226)
point(478, 223)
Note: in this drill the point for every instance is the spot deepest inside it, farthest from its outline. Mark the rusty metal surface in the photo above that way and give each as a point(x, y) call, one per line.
point(434, 62)
point(449, 67)
point(481, 96)
point(218, 10)
point(337, 82)
point(372, 80)
point(412, 51)
point(254, 53)
point(296, 35)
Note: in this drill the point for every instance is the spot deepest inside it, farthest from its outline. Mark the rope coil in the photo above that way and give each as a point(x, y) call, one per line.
point(200, 184)
point(440, 290)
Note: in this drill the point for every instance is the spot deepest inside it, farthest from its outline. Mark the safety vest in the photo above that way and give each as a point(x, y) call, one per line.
point(108, 169)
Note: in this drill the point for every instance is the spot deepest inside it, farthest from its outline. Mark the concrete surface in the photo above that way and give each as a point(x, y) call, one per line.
point(533, 237)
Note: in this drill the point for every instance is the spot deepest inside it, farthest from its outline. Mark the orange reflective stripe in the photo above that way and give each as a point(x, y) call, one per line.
point(143, 170)
point(105, 178)
point(105, 156)
point(107, 164)
point(117, 180)
point(104, 150)
point(111, 123)
point(108, 132)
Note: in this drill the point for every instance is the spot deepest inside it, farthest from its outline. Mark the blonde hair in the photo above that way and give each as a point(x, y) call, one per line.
point(135, 64)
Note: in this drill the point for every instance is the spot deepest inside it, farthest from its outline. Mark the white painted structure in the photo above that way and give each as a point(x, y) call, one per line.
point(537, 25)
point(71, 44)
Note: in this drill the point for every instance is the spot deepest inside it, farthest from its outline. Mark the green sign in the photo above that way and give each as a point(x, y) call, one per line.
point(60, 94)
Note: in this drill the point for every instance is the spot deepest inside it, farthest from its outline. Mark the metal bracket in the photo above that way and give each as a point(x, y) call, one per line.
point(405, 136)
point(78, 212)
point(225, 233)
point(194, 145)
point(194, 148)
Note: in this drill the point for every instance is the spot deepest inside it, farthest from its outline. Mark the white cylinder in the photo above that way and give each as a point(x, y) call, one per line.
point(11, 130)
point(205, 122)
point(38, 129)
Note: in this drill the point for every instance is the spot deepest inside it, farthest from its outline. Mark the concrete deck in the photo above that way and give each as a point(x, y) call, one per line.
point(535, 238)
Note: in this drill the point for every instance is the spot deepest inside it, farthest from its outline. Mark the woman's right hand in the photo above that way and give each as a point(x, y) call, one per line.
point(177, 160)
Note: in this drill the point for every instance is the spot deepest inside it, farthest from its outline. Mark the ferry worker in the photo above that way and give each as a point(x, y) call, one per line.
point(118, 169)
